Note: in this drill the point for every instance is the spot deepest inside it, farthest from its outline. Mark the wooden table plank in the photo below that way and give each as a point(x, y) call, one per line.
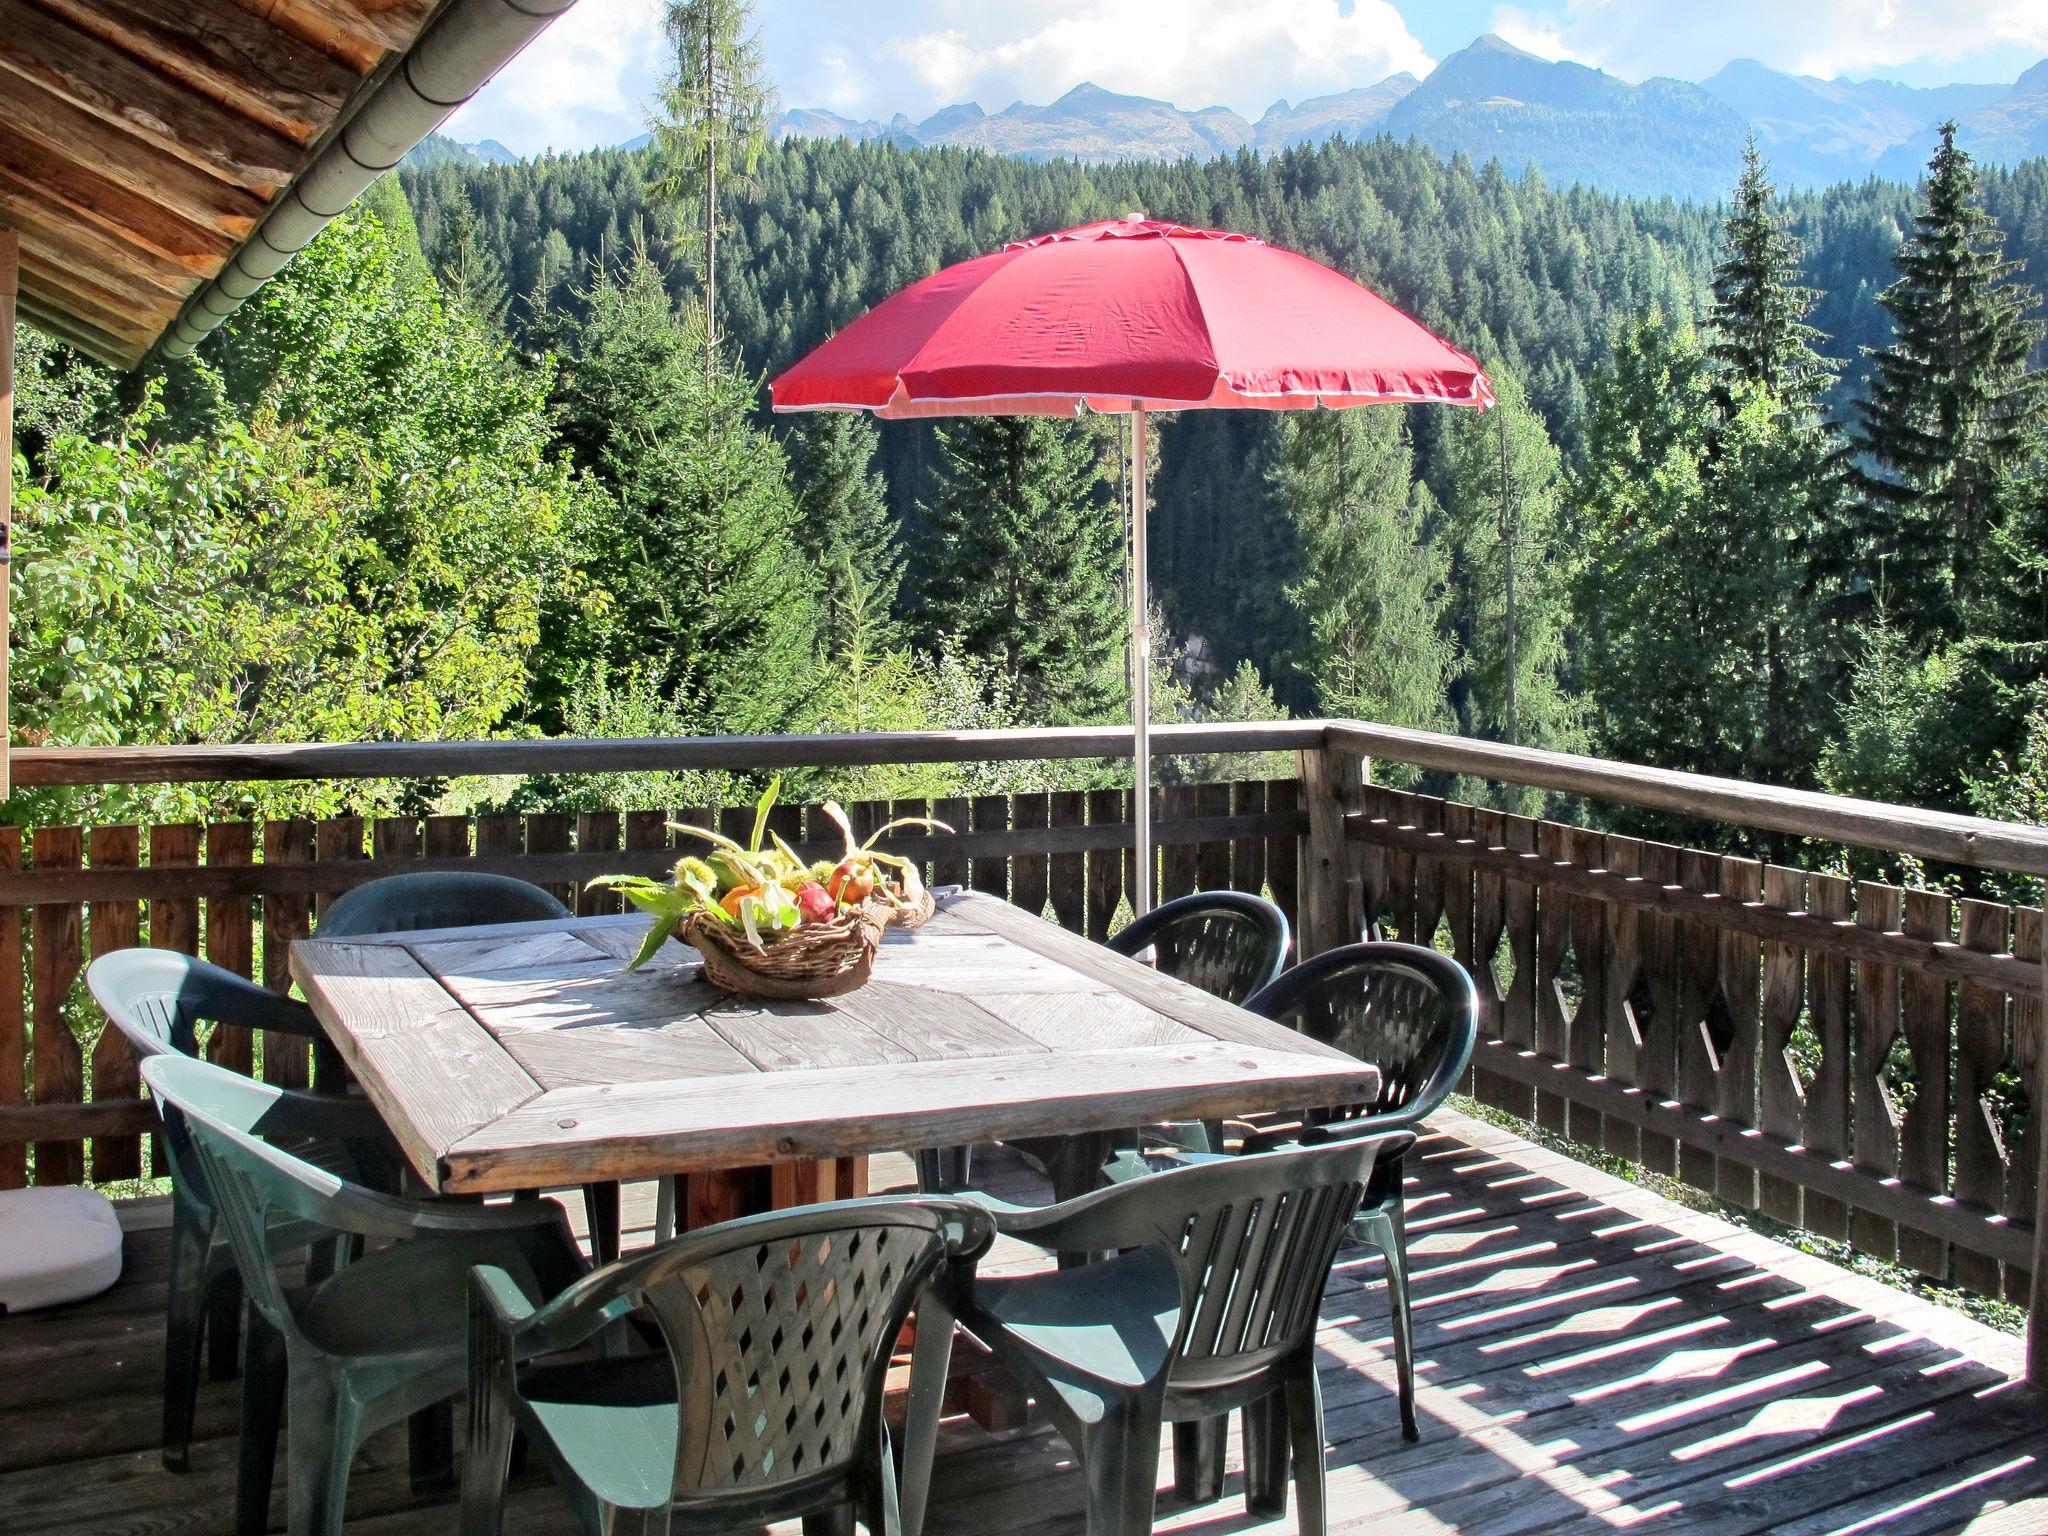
point(433, 1072)
point(1178, 1001)
point(610, 1053)
point(640, 1130)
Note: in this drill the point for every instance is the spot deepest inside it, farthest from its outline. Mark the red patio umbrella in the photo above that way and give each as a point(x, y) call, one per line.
point(1131, 316)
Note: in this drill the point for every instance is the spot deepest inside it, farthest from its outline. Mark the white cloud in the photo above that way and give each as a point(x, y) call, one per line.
point(1238, 53)
point(585, 81)
point(1689, 39)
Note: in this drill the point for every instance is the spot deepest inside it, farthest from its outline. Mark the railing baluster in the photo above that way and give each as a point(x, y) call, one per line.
point(14, 1039)
point(1741, 978)
point(112, 925)
point(1924, 1127)
point(1067, 874)
point(230, 935)
point(287, 915)
point(1028, 872)
point(1780, 1094)
point(59, 1064)
point(1981, 1033)
point(1877, 1025)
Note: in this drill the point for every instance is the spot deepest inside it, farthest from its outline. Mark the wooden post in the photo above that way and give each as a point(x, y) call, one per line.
point(1331, 784)
point(2037, 1310)
point(10, 285)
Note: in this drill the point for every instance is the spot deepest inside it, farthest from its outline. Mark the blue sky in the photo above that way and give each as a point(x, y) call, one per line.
point(587, 80)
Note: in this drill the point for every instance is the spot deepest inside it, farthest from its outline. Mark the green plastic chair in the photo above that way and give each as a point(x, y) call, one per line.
point(1209, 1304)
point(765, 1400)
point(437, 899)
point(1414, 1013)
point(1228, 943)
point(378, 1340)
point(158, 999)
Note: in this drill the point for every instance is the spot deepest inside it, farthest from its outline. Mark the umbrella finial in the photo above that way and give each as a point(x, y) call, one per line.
point(1135, 216)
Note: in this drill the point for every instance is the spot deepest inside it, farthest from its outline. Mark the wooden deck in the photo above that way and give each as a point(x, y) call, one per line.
point(1593, 1358)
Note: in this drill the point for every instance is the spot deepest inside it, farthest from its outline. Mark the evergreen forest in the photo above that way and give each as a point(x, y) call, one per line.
point(1766, 493)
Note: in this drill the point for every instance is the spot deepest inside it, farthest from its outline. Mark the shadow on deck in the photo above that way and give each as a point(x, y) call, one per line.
point(1592, 1358)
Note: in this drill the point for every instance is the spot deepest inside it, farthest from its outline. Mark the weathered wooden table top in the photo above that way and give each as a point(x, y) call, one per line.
point(523, 1055)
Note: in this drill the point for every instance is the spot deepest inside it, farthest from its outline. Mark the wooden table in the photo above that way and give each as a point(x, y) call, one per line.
point(523, 1056)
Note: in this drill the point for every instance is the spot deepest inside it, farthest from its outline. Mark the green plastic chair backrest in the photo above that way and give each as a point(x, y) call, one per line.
point(780, 1329)
point(1410, 1011)
point(225, 1115)
point(1253, 1238)
point(452, 899)
point(158, 998)
point(1228, 943)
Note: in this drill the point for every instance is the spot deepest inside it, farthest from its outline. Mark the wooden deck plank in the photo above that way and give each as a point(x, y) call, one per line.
point(1680, 1375)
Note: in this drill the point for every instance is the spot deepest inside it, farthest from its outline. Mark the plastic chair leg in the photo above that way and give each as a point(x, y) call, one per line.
point(837, 1521)
point(1304, 1400)
point(320, 1442)
point(184, 1321)
point(1387, 1230)
point(664, 1208)
point(263, 1392)
point(1120, 1460)
point(930, 1360)
point(1265, 1457)
point(1198, 1453)
point(942, 1170)
point(430, 1450)
point(487, 1462)
point(224, 1327)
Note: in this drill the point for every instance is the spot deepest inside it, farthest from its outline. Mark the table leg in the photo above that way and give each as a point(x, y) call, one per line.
point(1076, 1166)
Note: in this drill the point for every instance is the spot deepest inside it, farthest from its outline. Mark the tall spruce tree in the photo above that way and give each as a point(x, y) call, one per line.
point(692, 538)
point(1757, 326)
point(1694, 651)
point(1370, 589)
point(1511, 574)
point(712, 122)
point(1020, 562)
point(843, 525)
point(1952, 407)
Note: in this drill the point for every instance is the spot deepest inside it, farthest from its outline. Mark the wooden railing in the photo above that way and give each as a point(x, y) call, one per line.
point(1859, 1059)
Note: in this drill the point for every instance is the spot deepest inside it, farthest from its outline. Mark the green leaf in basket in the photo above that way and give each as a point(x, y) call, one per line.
point(662, 930)
point(761, 811)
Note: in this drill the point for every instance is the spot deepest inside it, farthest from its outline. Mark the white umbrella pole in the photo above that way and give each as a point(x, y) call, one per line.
point(1141, 669)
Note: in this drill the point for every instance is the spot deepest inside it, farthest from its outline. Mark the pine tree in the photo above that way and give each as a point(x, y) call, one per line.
point(713, 120)
point(692, 538)
point(1952, 404)
point(1756, 326)
point(1370, 590)
point(468, 270)
point(844, 526)
point(1021, 560)
point(1511, 576)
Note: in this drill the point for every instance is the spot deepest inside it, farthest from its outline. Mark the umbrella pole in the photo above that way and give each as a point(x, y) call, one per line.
point(1141, 672)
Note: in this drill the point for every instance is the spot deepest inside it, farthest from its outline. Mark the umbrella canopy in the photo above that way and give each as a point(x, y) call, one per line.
point(1131, 315)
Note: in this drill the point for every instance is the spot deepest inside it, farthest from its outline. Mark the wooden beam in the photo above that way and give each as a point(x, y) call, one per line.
point(1952, 839)
point(74, 332)
point(358, 32)
point(2037, 1308)
point(10, 288)
point(123, 215)
point(129, 314)
point(142, 102)
point(395, 759)
point(230, 55)
point(67, 131)
point(75, 246)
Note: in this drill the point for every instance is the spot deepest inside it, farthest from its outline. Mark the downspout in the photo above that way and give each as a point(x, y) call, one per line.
point(447, 64)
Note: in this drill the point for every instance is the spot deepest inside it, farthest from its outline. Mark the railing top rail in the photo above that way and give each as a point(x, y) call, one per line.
point(46, 767)
point(1939, 835)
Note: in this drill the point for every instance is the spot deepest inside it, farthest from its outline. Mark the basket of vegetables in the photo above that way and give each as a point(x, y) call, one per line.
point(770, 924)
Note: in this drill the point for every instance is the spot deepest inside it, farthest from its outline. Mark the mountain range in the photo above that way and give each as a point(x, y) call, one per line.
point(1491, 100)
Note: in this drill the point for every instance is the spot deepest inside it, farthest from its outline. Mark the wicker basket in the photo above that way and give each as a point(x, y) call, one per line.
point(817, 960)
point(905, 914)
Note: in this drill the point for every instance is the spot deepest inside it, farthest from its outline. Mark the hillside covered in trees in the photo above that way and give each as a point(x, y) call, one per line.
point(1718, 560)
